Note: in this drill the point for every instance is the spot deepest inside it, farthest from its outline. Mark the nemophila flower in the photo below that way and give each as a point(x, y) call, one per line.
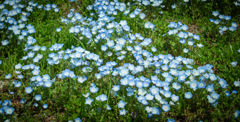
point(8, 76)
point(188, 95)
point(236, 83)
point(132, 15)
point(35, 104)
point(116, 87)
point(167, 94)
point(9, 110)
point(156, 111)
point(232, 28)
point(227, 93)
point(35, 72)
point(234, 64)
point(165, 107)
point(215, 95)
point(43, 48)
point(210, 88)
point(48, 83)
point(4, 42)
point(171, 120)
point(215, 13)
point(194, 84)
point(234, 91)
point(122, 112)
point(176, 86)
point(234, 24)
point(88, 101)
point(45, 106)
point(18, 84)
point(28, 89)
point(200, 45)
point(149, 96)
point(174, 98)
point(38, 97)
point(20, 76)
point(108, 107)
point(77, 120)
point(182, 41)
point(142, 15)
point(173, 6)
point(58, 29)
point(201, 84)
point(153, 49)
point(145, 2)
point(94, 89)
point(185, 50)
point(210, 99)
point(236, 114)
point(101, 97)
point(121, 104)
point(221, 16)
point(216, 21)
point(227, 17)
point(182, 34)
point(22, 101)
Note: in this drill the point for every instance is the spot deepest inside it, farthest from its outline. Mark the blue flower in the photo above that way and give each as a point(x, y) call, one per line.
point(194, 84)
point(122, 112)
point(9, 110)
point(227, 93)
point(94, 89)
point(236, 83)
point(116, 87)
point(45, 106)
point(101, 97)
point(28, 89)
point(171, 120)
point(210, 88)
point(22, 101)
point(201, 84)
point(38, 97)
point(142, 15)
point(236, 114)
point(35, 104)
point(48, 83)
point(8, 76)
point(104, 47)
point(210, 99)
point(215, 13)
point(58, 29)
point(108, 107)
point(145, 2)
point(173, 6)
point(174, 98)
point(121, 104)
point(215, 95)
point(156, 111)
point(234, 91)
point(188, 95)
point(88, 101)
point(78, 120)
point(166, 107)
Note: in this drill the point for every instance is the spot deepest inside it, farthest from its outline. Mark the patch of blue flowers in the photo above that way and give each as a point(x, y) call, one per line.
point(170, 71)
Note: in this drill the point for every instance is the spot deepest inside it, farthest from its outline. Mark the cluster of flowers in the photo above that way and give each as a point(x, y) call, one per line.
point(237, 3)
point(183, 35)
point(223, 17)
point(168, 67)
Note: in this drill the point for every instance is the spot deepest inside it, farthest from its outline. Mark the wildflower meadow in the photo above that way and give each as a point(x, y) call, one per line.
point(119, 60)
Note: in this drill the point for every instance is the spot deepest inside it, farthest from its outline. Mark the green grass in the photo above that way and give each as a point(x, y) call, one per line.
point(64, 98)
